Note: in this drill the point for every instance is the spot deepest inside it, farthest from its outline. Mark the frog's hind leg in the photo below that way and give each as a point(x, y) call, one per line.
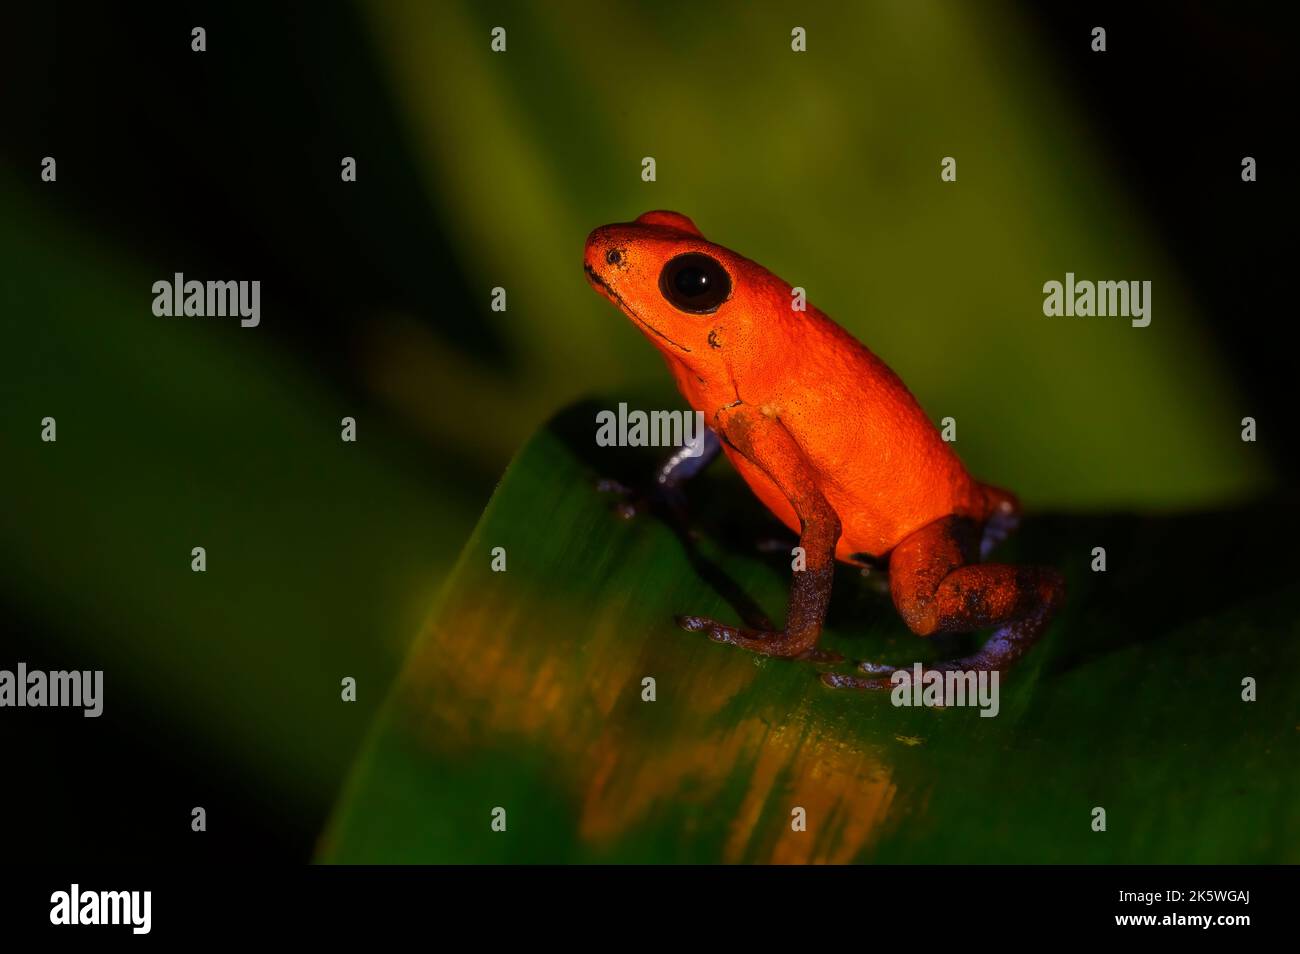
point(937, 588)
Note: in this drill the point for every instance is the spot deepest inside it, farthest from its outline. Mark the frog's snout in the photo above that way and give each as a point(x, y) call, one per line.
point(600, 256)
point(594, 277)
point(597, 245)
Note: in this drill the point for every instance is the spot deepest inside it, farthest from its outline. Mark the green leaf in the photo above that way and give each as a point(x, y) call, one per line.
point(525, 693)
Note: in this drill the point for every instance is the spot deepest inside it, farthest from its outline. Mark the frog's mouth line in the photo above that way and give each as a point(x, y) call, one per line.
point(599, 284)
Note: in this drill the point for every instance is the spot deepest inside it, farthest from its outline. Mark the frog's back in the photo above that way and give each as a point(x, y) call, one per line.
point(879, 460)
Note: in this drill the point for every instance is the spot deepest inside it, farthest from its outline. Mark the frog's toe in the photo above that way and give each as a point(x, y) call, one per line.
point(718, 632)
point(877, 669)
point(758, 640)
point(763, 642)
point(877, 677)
point(838, 680)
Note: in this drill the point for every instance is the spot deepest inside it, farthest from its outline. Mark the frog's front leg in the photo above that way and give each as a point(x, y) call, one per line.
point(768, 445)
point(666, 493)
point(688, 461)
point(937, 587)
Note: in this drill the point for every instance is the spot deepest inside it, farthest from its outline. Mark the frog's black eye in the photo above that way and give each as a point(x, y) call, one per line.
point(613, 256)
point(695, 283)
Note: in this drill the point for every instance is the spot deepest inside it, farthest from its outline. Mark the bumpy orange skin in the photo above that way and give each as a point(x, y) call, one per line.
point(876, 457)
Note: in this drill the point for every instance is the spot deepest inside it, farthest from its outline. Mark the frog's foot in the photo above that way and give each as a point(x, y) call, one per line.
point(837, 680)
point(763, 642)
point(879, 678)
point(937, 589)
point(1004, 648)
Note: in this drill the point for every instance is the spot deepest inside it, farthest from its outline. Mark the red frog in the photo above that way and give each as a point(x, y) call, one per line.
point(830, 440)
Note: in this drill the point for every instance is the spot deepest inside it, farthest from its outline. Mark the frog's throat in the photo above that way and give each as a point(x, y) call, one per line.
point(599, 284)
